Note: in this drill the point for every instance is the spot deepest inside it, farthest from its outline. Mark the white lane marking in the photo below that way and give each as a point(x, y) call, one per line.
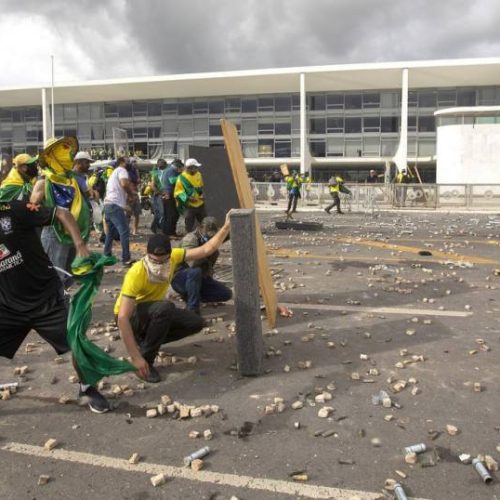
point(248, 482)
point(381, 310)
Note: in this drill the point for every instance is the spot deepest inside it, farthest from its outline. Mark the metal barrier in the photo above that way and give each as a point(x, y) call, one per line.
point(373, 197)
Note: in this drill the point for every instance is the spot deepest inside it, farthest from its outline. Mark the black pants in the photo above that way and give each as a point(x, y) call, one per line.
point(192, 215)
point(292, 202)
point(336, 202)
point(48, 320)
point(156, 323)
point(170, 217)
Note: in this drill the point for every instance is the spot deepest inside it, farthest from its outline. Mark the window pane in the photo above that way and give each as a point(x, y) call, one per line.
point(185, 128)
point(353, 101)
point(371, 100)
point(84, 131)
point(97, 111)
point(19, 133)
point(70, 112)
point(371, 124)
point(295, 101)
point(317, 125)
point(283, 128)
point(390, 123)
point(140, 108)
point(295, 124)
point(318, 148)
point(249, 127)
point(169, 108)
point(282, 103)
point(317, 102)
point(250, 149)
point(200, 108)
point(110, 110)
point(412, 99)
point(427, 99)
point(353, 125)
point(283, 149)
point(426, 124)
point(266, 103)
point(335, 101)
point(233, 105)
point(353, 148)
point(125, 110)
point(5, 115)
point(447, 97)
point(466, 98)
point(154, 108)
point(335, 146)
point(412, 123)
point(33, 114)
point(201, 126)
point(266, 148)
point(185, 108)
point(216, 108)
point(266, 127)
point(389, 100)
point(97, 132)
point(18, 115)
point(335, 125)
point(215, 130)
point(249, 106)
point(371, 146)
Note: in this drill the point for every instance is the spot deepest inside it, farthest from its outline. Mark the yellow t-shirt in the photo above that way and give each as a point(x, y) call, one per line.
point(137, 286)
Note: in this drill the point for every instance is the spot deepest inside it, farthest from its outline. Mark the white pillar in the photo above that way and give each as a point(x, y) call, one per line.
point(46, 121)
point(303, 128)
point(403, 135)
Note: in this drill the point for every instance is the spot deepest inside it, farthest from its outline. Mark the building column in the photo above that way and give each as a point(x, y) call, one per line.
point(46, 121)
point(303, 128)
point(402, 153)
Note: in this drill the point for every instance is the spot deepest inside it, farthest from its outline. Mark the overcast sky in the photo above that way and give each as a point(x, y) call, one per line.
point(98, 39)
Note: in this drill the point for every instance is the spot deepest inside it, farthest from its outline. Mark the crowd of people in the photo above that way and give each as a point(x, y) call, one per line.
point(50, 205)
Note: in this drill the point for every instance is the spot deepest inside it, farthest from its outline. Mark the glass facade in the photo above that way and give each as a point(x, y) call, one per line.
point(340, 124)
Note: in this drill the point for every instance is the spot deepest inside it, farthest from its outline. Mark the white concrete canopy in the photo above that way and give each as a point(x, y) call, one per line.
point(345, 77)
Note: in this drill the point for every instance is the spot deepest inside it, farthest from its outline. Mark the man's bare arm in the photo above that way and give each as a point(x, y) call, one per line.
point(38, 193)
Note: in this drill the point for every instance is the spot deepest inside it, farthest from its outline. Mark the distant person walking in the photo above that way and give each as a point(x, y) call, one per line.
point(336, 186)
point(188, 194)
point(170, 213)
point(115, 202)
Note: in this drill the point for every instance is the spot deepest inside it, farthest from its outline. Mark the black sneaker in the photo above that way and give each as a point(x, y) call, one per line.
point(96, 401)
point(153, 377)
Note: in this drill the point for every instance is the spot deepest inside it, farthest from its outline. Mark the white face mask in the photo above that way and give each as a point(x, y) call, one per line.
point(157, 273)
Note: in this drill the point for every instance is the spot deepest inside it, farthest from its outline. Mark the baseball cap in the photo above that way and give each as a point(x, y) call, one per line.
point(24, 159)
point(83, 155)
point(159, 244)
point(210, 225)
point(191, 162)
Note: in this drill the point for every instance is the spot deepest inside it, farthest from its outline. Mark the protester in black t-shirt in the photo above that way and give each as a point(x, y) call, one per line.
point(31, 293)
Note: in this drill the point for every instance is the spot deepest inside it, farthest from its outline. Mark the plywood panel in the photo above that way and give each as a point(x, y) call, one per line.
point(237, 163)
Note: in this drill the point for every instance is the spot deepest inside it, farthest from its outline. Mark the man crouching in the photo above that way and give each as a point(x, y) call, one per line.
point(145, 318)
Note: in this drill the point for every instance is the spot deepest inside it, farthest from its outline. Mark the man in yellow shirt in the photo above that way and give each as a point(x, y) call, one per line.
point(145, 318)
point(188, 194)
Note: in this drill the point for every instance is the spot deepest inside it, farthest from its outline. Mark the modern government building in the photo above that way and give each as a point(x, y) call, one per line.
point(340, 118)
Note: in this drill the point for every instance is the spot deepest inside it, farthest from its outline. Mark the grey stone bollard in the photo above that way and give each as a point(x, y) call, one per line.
point(249, 340)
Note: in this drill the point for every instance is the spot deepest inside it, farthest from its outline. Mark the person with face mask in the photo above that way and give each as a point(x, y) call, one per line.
point(145, 318)
point(18, 185)
point(194, 281)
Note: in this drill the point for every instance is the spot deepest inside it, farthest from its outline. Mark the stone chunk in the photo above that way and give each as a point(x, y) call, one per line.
point(297, 405)
point(451, 430)
point(197, 464)
point(207, 434)
point(50, 444)
point(43, 480)
point(158, 480)
point(134, 458)
point(152, 413)
point(411, 458)
point(193, 434)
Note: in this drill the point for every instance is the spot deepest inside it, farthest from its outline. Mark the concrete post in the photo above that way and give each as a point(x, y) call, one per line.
point(303, 126)
point(249, 342)
point(46, 119)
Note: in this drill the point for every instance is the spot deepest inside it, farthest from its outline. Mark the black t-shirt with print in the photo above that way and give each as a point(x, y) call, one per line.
point(27, 277)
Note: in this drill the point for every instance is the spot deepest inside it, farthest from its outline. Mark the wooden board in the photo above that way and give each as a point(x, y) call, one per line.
point(284, 170)
point(217, 179)
point(237, 162)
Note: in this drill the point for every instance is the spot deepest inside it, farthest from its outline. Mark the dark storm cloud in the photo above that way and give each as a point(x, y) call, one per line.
point(118, 38)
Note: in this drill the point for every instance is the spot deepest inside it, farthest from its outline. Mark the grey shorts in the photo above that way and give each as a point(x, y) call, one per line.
point(134, 207)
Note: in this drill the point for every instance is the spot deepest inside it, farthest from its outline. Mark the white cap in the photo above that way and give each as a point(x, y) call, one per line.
point(83, 155)
point(191, 162)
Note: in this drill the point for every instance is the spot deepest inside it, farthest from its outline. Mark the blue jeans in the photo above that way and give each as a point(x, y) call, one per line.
point(117, 221)
point(195, 288)
point(158, 213)
point(60, 254)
